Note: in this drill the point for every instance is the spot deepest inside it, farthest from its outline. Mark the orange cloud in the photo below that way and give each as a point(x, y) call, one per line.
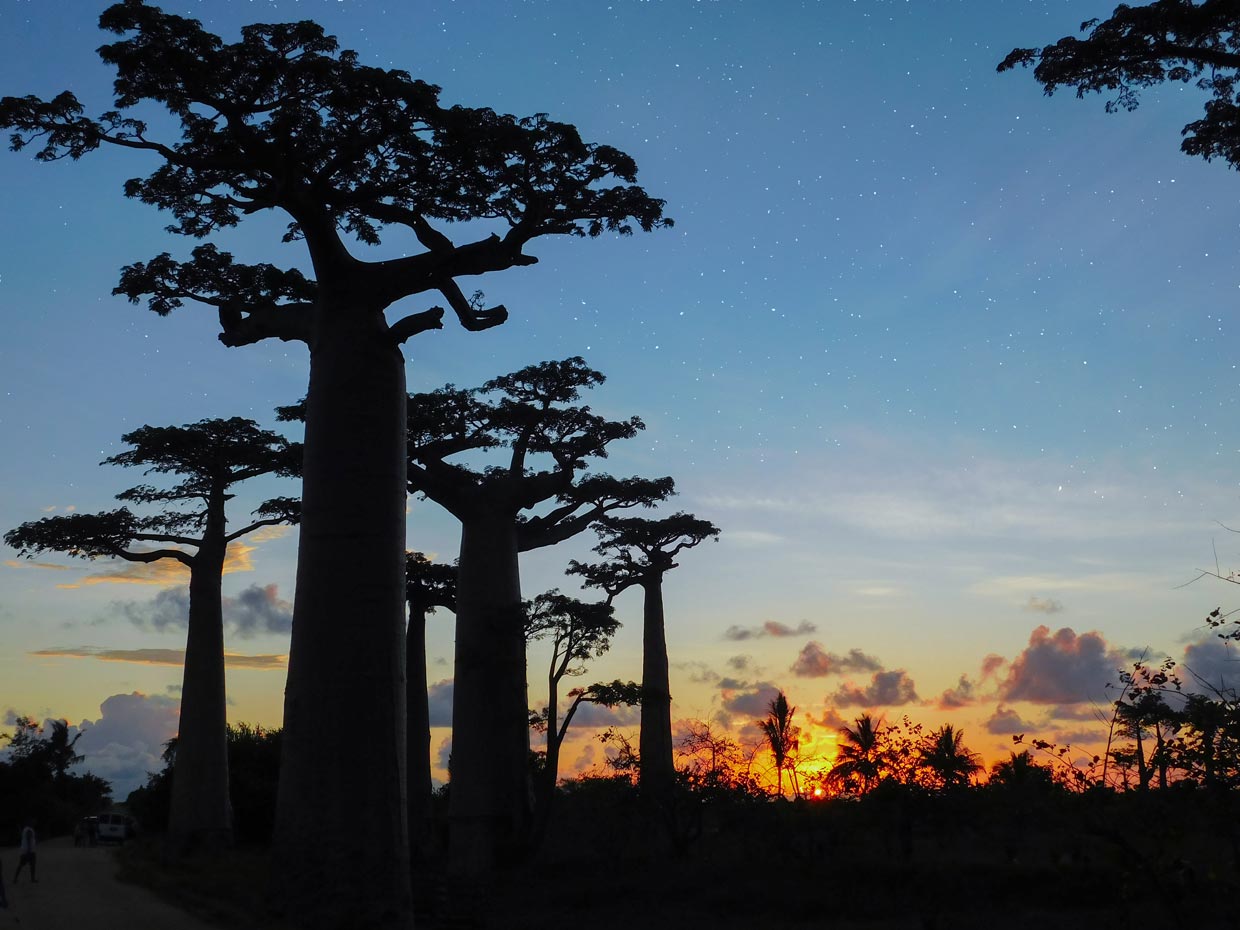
point(26, 563)
point(169, 572)
point(173, 657)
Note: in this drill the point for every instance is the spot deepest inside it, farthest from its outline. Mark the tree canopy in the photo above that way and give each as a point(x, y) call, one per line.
point(286, 120)
point(209, 456)
point(1140, 46)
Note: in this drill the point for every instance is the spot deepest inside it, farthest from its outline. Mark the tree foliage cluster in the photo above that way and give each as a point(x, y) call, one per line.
point(36, 782)
point(253, 772)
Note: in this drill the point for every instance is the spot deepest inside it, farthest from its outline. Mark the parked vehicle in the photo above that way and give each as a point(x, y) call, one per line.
point(116, 828)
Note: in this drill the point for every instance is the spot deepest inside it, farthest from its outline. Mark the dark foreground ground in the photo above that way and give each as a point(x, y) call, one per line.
point(977, 861)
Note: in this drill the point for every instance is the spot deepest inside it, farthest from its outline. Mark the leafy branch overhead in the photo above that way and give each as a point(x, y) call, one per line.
point(285, 120)
point(1141, 46)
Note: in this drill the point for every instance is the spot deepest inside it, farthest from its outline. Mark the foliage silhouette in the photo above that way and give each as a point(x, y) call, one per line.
point(36, 784)
point(782, 736)
point(210, 457)
point(578, 631)
point(283, 120)
point(1176, 41)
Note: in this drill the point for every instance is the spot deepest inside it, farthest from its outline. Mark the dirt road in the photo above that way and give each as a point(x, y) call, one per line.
point(77, 888)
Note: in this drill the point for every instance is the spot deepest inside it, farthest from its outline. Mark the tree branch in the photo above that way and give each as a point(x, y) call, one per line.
point(416, 323)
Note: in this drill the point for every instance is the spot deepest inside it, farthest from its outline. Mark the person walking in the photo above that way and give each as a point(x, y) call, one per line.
point(28, 858)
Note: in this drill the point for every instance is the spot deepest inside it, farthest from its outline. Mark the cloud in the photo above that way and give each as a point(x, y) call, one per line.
point(257, 609)
point(1075, 712)
point(960, 696)
point(740, 663)
point(444, 756)
point(1212, 664)
point(744, 699)
point(439, 701)
point(175, 657)
point(698, 673)
point(831, 719)
point(770, 628)
point(595, 715)
point(815, 662)
point(1043, 605)
point(168, 572)
point(886, 689)
point(127, 740)
point(1006, 722)
point(27, 563)
point(751, 538)
point(1061, 668)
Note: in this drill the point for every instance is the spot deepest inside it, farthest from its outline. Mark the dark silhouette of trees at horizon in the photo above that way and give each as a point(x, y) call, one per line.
point(36, 784)
point(639, 552)
point(1175, 41)
point(283, 120)
point(209, 457)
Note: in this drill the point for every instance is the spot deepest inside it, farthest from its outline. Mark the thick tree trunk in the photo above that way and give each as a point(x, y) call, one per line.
point(201, 813)
point(658, 769)
point(419, 727)
point(489, 799)
point(340, 856)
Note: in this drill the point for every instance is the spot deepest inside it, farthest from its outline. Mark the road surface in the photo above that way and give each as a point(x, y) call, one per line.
point(78, 888)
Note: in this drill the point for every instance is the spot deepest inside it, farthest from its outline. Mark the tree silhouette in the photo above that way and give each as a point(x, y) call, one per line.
point(578, 631)
point(1020, 772)
point(1141, 46)
point(428, 586)
point(782, 736)
point(211, 456)
point(640, 552)
point(283, 120)
point(946, 758)
point(861, 756)
point(532, 415)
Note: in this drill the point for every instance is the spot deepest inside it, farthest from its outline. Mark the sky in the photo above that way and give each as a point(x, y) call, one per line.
point(945, 359)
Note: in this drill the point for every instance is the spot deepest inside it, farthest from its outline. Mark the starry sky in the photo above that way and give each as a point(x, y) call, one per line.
point(944, 358)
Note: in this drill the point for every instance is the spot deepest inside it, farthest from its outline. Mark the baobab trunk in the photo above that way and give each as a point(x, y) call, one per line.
point(201, 813)
point(341, 827)
point(658, 770)
point(489, 800)
point(419, 729)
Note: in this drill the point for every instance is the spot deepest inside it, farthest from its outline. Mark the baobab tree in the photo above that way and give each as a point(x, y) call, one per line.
point(546, 440)
point(428, 586)
point(285, 121)
point(640, 552)
point(212, 456)
point(1141, 46)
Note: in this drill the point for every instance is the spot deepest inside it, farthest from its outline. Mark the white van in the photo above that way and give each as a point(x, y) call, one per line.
point(116, 828)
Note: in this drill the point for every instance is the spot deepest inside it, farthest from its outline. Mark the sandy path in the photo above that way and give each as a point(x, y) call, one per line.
point(77, 888)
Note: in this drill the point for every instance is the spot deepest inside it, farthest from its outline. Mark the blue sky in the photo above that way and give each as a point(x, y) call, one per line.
point(947, 360)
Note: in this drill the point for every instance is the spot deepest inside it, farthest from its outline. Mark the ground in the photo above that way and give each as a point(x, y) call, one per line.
point(78, 887)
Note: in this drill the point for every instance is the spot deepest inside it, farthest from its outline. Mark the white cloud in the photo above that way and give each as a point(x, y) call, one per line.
point(127, 740)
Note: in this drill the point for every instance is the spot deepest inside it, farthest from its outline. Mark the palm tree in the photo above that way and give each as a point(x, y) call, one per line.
point(861, 755)
point(1020, 771)
point(946, 758)
point(783, 738)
